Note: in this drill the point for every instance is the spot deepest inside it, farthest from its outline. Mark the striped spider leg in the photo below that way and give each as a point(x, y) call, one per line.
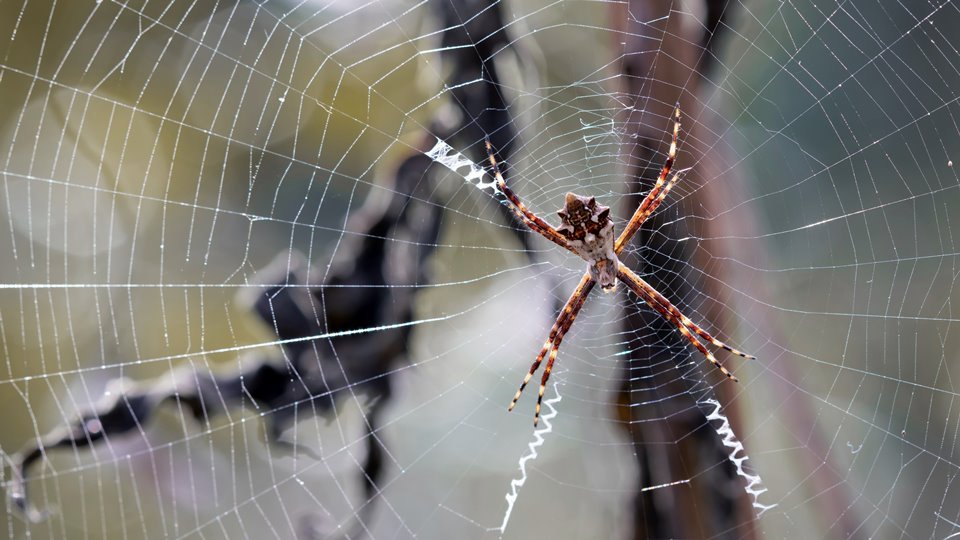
point(667, 310)
point(587, 231)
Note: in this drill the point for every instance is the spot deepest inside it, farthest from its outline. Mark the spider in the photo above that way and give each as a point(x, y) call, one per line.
point(587, 231)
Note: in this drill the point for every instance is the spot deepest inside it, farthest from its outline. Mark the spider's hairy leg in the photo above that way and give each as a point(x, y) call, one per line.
point(546, 376)
point(536, 364)
point(669, 312)
point(706, 335)
point(660, 299)
point(650, 203)
point(566, 317)
point(535, 222)
point(560, 327)
point(659, 193)
point(572, 316)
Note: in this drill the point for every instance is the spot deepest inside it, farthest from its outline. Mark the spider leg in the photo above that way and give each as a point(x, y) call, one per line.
point(551, 346)
point(535, 222)
point(661, 194)
point(705, 335)
point(659, 298)
point(546, 375)
point(588, 284)
point(668, 311)
point(556, 349)
point(650, 203)
point(536, 364)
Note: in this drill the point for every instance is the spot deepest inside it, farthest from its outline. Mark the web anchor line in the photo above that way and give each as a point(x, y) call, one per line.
point(737, 456)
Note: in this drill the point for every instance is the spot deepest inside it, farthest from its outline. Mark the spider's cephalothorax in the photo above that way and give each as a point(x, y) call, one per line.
point(589, 230)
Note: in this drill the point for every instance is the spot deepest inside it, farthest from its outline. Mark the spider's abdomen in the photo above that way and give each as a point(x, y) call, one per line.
point(604, 272)
point(587, 227)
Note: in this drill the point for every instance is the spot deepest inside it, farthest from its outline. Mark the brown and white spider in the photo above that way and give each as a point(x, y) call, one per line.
point(587, 231)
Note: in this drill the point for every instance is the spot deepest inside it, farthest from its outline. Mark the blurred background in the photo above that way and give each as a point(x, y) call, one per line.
point(155, 157)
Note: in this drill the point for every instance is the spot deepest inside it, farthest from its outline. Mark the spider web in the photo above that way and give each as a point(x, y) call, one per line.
point(158, 156)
